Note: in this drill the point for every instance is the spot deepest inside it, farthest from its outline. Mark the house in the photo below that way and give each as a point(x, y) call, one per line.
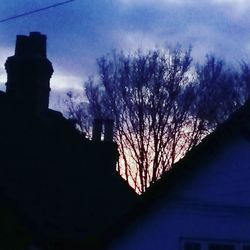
point(58, 190)
point(203, 202)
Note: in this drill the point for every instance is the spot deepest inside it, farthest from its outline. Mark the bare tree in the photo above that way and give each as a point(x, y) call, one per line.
point(218, 92)
point(243, 86)
point(162, 106)
point(148, 95)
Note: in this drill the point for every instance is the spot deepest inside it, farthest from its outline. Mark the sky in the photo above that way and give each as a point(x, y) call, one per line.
point(83, 30)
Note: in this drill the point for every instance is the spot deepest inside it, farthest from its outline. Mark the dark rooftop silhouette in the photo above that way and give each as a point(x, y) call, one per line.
point(63, 188)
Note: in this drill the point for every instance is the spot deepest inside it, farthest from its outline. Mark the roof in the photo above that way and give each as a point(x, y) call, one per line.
point(66, 187)
point(188, 167)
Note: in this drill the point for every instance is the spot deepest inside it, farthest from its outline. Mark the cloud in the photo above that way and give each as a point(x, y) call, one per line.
point(237, 3)
point(153, 2)
point(233, 8)
point(4, 53)
point(65, 80)
point(204, 39)
point(133, 40)
point(85, 30)
point(244, 3)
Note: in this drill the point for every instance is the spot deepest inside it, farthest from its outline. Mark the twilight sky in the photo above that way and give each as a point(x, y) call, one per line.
point(83, 30)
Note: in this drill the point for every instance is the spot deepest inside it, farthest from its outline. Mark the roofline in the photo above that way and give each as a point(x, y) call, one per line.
point(237, 125)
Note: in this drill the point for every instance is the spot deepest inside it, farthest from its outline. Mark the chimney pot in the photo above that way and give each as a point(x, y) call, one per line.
point(108, 130)
point(38, 44)
point(22, 45)
point(97, 130)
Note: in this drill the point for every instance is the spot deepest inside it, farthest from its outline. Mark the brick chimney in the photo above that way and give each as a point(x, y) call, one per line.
point(29, 72)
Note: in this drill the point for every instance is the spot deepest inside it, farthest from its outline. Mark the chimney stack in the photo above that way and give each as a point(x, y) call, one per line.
point(98, 125)
point(32, 45)
point(97, 130)
point(29, 72)
point(108, 130)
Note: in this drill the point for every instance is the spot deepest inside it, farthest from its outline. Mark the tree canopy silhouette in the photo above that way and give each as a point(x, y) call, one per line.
point(162, 104)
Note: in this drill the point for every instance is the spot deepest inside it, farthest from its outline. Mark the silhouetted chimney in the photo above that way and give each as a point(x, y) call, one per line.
point(22, 45)
point(29, 72)
point(97, 130)
point(108, 130)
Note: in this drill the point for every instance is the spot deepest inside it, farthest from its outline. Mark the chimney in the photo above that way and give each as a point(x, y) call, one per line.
point(97, 130)
point(29, 72)
point(32, 45)
point(108, 130)
point(22, 45)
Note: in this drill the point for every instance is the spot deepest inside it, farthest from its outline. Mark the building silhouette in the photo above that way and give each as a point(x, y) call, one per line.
point(59, 190)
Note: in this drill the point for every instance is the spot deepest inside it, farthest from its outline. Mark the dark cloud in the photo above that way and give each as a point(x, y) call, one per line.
point(81, 31)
